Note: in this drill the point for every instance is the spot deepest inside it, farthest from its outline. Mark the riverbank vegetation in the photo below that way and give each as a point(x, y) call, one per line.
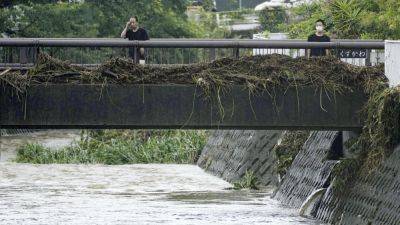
point(114, 147)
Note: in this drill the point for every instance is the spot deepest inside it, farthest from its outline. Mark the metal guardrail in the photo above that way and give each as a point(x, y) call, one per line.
point(20, 53)
point(190, 43)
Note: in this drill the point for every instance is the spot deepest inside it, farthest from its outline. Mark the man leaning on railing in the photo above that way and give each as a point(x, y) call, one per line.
point(132, 31)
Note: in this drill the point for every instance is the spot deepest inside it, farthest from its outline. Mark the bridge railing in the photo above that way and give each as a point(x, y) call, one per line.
point(21, 53)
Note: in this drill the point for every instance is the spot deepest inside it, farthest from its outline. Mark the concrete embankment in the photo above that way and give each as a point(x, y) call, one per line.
point(310, 169)
point(229, 154)
point(371, 199)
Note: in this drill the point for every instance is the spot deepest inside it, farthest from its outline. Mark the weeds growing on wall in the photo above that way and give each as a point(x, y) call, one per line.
point(379, 137)
point(114, 147)
point(381, 133)
point(286, 151)
point(248, 181)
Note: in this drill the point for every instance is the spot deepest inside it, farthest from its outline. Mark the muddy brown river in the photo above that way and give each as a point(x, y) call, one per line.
point(130, 194)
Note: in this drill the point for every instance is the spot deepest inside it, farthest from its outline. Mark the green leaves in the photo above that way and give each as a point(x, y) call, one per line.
point(369, 19)
point(248, 181)
point(97, 18)
point(346, 17)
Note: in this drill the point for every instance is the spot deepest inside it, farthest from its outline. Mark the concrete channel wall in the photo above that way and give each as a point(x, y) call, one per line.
point(228, 154)
point(374, 199)
point(310, 169)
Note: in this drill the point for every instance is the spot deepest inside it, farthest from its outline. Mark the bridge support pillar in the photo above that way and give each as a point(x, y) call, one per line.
point(392, 59)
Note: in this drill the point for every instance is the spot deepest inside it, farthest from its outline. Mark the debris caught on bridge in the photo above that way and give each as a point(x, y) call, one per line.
point(256, 72)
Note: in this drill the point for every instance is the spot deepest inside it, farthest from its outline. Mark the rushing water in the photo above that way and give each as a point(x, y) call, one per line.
point(129, 194)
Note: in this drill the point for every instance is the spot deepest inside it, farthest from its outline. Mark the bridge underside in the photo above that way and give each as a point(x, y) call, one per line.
point(60, 106)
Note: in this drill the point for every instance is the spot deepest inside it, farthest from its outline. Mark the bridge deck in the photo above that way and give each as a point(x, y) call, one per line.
point(177, 106)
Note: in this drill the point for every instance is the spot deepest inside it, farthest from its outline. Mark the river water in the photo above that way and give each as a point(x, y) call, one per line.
point(130, 194)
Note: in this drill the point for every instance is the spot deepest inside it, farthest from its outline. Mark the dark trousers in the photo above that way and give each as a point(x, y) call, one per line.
point(138, 55)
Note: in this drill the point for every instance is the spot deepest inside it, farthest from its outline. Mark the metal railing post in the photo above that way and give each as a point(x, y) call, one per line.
point(135, 55)
point(212, 55)
point(236, 53)
point(368, 58)
point(23, 55)
point(35, 55)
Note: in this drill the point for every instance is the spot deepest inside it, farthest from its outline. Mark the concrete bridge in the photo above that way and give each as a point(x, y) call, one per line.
point(176, 106)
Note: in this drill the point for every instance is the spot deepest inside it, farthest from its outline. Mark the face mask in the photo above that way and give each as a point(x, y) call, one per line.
point(319, 28)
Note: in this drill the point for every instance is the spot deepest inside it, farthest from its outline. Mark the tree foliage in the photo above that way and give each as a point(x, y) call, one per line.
point(98, 18)
point(55, 20)
point(271, 19)
point(369, 19)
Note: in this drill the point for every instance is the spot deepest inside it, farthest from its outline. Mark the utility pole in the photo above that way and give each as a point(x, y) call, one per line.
point(240, 5)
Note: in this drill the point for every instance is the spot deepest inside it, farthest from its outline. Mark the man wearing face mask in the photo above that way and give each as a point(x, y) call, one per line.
point(318, 36)
point(132, 31)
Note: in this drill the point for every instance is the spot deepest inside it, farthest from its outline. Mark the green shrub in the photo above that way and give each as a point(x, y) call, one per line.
point(121, 147)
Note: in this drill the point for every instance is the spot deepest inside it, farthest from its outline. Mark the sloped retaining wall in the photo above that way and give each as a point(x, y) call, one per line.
point(228, 154)
point(310, 169)
point(374, 199)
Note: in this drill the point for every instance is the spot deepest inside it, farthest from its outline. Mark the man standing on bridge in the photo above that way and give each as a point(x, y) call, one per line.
point(132, 31)
point(319, 36)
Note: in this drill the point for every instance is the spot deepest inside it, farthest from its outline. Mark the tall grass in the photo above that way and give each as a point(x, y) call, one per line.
point(114, 147)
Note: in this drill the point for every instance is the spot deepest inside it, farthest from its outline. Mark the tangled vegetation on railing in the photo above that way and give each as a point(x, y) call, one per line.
point(263, 73)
